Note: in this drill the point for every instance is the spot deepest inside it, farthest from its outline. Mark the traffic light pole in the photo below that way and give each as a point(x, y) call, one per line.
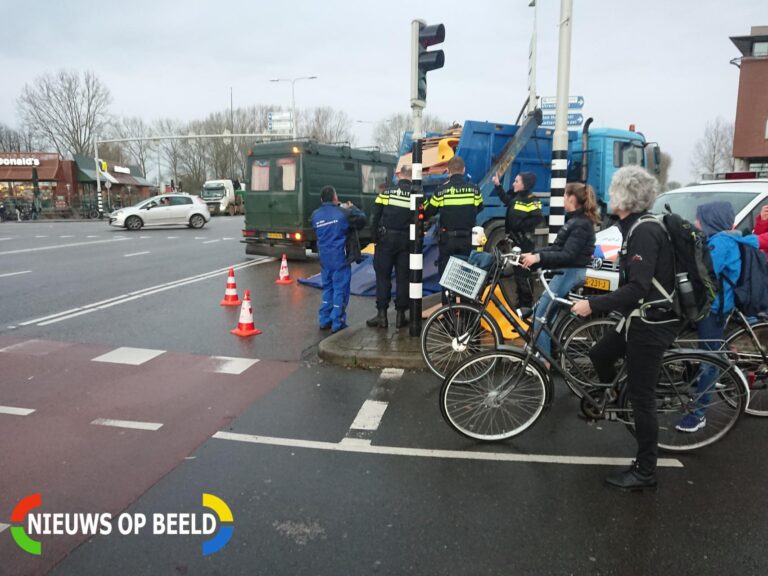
point(417, 241)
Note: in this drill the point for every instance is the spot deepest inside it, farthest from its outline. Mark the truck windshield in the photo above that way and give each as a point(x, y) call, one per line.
point(213, 192)
point(631, 154)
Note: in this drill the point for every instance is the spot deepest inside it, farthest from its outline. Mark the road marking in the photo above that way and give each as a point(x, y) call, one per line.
point(15, 273)
point(127, 355)
point(392, 373)
point(8, 238)
point(370, 415)
point(144, 237)
point(39, 236)
point(136, 294)
point(72, 245)
point(361, 448)
point(211, 241)
point(132, 424)
point(4, 526)
point(135, 254)
point(14, 411)
point(227, 238)
point(92, 236)
point(173, 237)
point(67, 236)
point(231, 365)
point(200, 237)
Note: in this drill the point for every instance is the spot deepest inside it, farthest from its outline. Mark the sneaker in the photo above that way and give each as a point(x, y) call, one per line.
point(691, 423)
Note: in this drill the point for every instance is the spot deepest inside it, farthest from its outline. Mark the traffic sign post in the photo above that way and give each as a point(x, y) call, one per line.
point(550, 102)
point(574, 119)
point(280, 122)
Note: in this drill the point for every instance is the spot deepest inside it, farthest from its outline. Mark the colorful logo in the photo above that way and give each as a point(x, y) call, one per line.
point(225, 531)
point(19, 516)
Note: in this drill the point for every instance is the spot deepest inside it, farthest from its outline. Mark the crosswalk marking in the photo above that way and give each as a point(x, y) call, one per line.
point(230, 365)
point(127, 355)
point(15, 411)
point(131, 424)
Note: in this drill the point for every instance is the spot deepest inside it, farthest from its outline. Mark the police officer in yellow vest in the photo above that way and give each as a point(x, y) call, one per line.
point(458, 201)
point(390, 226)
point(523, 215)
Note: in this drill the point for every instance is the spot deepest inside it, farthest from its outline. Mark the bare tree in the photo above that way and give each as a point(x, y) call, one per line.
point(137, 150)
point(673, 185)
point(326, 125)
point(388, 133)
point(12, 140)
point(665, 163)
point(194, 158)
point(171, 149)
point(65, 110)
point(714, 151)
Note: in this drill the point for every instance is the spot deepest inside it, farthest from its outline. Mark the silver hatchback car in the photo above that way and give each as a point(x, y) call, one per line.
point(163, 210)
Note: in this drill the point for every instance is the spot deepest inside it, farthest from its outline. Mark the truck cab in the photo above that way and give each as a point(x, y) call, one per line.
point(285, 179)
point(222, 198)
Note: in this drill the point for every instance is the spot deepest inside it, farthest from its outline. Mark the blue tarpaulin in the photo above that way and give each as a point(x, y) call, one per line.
point(364, 277)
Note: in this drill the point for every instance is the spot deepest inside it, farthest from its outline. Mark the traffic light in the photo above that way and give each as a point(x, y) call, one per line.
point(422, 61)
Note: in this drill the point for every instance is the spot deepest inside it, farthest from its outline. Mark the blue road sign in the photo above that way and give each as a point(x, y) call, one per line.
point(550, 102)
point(574, 119)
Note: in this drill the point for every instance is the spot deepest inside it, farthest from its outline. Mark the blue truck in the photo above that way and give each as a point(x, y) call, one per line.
point(594, 155)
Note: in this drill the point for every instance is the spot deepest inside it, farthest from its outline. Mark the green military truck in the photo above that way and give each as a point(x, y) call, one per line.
point(285, 179)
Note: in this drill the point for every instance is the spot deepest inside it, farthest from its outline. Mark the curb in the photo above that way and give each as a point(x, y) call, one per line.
point(344, 349)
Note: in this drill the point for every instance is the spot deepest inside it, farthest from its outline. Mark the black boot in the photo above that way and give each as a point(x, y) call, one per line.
point(401, 319)
point(632, 480)
point(378, 321)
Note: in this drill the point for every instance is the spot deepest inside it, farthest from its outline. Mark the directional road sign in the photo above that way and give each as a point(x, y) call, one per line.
point(548, 120)
point(279, 116)
point(550, 102)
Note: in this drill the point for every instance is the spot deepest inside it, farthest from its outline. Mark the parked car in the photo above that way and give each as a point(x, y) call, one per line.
point(163, 210)
point(746, 197)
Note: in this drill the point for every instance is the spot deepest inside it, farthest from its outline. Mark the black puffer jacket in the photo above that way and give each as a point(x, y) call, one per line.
point(574, 245)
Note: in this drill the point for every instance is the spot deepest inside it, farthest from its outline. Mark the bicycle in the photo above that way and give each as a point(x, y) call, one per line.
point(457, 331)
point(499, 394)
point(748, 341)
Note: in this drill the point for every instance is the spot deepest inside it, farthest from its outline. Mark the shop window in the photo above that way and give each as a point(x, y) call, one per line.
point(260, 175)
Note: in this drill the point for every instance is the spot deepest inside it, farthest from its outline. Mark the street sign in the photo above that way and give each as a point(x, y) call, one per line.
point(107, 184)
point(550, 102)
point(574, 119)
point(279, 116)
point(285, 126)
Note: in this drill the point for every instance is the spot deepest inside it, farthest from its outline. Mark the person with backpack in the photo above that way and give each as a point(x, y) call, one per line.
point(715, 220)
point(571, 253)
point(651, 323)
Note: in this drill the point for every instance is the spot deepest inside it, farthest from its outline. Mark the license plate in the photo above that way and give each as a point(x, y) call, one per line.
point(597, 284)
point(275, 235)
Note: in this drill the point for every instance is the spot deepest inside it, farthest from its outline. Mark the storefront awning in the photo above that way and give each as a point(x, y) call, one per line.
point(46, 171)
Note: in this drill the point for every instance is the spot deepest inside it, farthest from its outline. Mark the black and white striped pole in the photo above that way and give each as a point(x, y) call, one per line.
point(560, 139)
point(98, 179)
point(417, 243)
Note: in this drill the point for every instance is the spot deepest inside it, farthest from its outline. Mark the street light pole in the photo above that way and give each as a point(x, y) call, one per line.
point(293, 96)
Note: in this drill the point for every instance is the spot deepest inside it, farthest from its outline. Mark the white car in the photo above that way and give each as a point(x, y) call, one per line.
point(163, 210)
point(746, 197)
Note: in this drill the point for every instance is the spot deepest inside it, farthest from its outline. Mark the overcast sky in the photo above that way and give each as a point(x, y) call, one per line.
point(660, 64)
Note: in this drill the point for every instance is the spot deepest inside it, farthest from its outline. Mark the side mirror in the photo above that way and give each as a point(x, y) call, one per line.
point(653, 158)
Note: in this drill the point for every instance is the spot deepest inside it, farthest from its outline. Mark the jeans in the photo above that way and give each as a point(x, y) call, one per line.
point(560, 285)
point(333, 309)
point(710, 330)
point(643, 348)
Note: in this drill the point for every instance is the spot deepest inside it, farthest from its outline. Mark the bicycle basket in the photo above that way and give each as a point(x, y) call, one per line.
point(463, 278)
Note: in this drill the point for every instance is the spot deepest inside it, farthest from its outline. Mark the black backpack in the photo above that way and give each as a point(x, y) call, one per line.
point(750, 291)
point(692, 257)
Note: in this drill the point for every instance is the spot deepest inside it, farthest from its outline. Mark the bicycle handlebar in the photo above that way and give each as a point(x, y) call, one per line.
point(514, 259)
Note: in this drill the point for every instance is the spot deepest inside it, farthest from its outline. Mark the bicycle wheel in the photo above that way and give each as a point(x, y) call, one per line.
point(751, 358)
point(575, 352)
point(682, 391)
point(454, 333)
point(507, 397)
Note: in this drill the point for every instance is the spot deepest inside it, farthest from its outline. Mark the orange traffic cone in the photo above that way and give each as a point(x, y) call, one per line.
point(230, 294)
point(283, 277)
point(245, 326)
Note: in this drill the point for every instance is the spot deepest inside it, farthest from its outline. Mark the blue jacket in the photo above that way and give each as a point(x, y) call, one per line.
point(716, 220)
point(332, 225)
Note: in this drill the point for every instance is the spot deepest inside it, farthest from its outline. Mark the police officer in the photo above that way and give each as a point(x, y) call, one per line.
point(390, 224)
point(523, 215)
point(647, 265)
point(333, 224)
point(458, 202)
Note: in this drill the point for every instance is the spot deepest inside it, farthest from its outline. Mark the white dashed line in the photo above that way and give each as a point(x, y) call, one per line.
point(14, 411)
point(372, 411)
point(144, 237)
point(127, 355)
point(173, 237)
point(92, 236)
point(132, 424)
point(200, 237)
point(227, 238)
point(230, 365)
point(135, 254)
point(58, 246)
point(370, 415)
point(67, 236)
point(15, 273)
point(41, 236)
point(348, 445)
point(392, 373)
point(211, 241)
point(9, 238)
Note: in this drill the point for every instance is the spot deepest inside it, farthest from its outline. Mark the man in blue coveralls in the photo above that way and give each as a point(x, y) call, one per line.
point(333, 224)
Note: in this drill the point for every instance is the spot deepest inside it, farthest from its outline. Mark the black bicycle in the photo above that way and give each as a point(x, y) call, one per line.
point(498, 394)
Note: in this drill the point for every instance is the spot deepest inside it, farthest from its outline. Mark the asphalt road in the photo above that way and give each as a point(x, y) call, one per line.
point(130, 395)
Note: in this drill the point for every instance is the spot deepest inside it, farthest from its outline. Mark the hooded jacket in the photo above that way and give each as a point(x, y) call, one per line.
point(761, 230)
point(716, 220)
